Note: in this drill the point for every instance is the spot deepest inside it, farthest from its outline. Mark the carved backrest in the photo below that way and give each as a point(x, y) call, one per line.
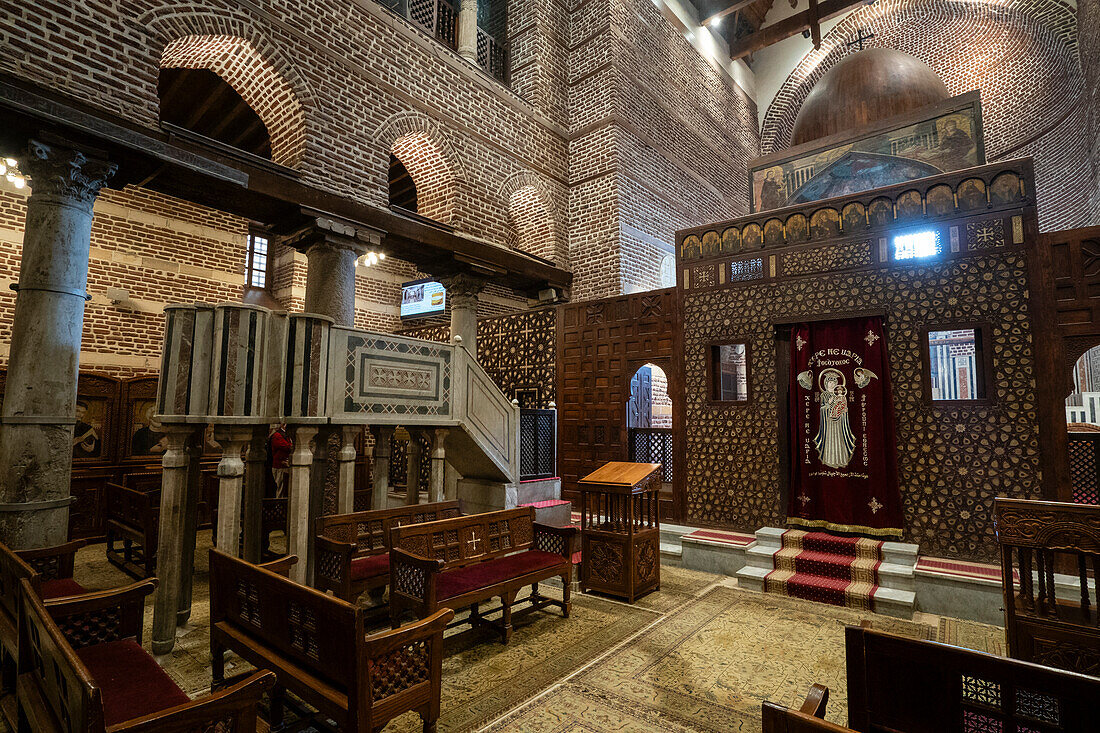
point(133, 507)
point(369, 531)
point(1038, 539)
point(467, 540)
point(925, 687)
point(321, 633)
point(63, 682)
point(778, 719)
point(142, 480)
point(13, 570)
point(273, 513)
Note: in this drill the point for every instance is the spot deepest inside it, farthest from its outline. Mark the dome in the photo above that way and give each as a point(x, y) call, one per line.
point(866, 87)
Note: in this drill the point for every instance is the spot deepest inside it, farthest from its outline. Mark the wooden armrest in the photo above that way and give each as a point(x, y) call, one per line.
point(384, 642)
point(816, 700)
point(281, 566)
point(237, 703)
point(558, 540)
point(85, 610)
point(404, 557)
point(322, 542)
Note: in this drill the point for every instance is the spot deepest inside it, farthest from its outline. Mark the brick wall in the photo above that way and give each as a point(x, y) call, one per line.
point(1088, 25)
point(1023, 56)
point(660, 142)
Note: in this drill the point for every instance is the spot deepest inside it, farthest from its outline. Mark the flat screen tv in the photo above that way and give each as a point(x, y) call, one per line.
point(421, 298)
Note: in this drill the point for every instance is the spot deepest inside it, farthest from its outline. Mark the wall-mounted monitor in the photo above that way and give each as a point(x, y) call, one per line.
point(421, 298)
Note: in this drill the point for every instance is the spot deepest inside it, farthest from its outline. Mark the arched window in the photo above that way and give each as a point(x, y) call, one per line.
point(402, 186)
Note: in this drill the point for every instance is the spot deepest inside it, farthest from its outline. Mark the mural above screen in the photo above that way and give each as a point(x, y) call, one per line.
point(936, 139)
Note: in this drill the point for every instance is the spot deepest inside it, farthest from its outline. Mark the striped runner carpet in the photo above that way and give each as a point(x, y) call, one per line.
point(819, 566)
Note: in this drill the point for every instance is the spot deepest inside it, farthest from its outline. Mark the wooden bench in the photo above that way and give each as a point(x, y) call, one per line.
point(318, 648)
point(352, 551)
point(458, 563)
point(132, 517)
point(1036, 539)
point(49, 571)
point(899, 684)
point(82, 669)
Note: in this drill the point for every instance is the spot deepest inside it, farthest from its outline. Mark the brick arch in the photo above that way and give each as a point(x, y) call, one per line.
point(1030, 75)
point(533, 217)
point(423, 147)
point(248, 61)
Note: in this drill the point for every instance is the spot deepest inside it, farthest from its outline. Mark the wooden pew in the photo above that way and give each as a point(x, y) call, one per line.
point(899, 684)
point(49, 570)
point(318, 648)
point(1037, 538)
point(82, 670)
point(460, 562)
point(353, 550)
point(132, 516)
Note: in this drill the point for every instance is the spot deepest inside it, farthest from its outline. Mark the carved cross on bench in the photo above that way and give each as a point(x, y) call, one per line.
point(473, 541)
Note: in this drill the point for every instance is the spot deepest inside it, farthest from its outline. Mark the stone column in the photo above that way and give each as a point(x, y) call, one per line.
point(299, 529)
point(170, 548)
point(330, 281)
point(467, 30)
point(346, 473)
point(40, 397)
point(194, 447)
point(436, 486)
point(462, 290)
point(412, 470)
point(255, 482)
point(380, 465)
point(230, 487)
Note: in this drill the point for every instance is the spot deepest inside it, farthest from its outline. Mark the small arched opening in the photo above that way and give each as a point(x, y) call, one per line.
point(532, 223)
point(649, 420)
point(431, 178)
point(1083, 426)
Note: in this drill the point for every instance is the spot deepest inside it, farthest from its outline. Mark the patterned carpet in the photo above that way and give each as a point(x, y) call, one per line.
point(696, 656)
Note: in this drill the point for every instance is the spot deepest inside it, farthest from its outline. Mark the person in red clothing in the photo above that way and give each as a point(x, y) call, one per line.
point(279, 446)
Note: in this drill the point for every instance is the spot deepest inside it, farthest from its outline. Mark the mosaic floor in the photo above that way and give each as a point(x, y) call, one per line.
point(700, 655)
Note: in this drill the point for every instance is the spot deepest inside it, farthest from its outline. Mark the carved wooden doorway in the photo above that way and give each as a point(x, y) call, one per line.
point(601, 346)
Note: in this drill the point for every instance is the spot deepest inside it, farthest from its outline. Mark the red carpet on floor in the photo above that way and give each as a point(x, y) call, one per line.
point(826, 568)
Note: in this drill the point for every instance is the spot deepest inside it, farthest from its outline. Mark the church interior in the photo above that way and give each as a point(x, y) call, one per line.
point(550, 365)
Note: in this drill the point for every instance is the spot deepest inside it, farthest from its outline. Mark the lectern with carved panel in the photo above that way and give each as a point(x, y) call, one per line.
point(620, 529)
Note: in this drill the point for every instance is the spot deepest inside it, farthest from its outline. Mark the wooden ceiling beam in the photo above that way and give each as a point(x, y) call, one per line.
point(806, 20)
point(717, 13)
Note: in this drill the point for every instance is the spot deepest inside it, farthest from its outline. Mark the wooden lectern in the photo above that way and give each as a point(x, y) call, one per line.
point(620, 529)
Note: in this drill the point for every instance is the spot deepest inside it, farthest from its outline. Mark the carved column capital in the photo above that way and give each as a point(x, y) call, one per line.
point(464, 286)
point(64, 172)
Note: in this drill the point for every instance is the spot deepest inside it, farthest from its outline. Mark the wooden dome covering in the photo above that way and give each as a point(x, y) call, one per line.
point(863, 88)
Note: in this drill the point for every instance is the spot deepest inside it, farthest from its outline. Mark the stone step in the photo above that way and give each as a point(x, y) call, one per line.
point(896, 577)
point(900, 553)
point(770, 537)
point(555, 512)
point(894, 602)
point(528, 492)
point(671, 550)
point(751, 577)
point(759, 556)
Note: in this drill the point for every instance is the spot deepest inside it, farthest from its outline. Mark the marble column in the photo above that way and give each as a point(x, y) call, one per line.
point(299, 529)
point(380, 465)
point(170, 548)
point(412, 472)
point(255, 483)
point(194, 448)
point(436, 485)
point(40, 395)
point(230, 486)
point(462, 290)
point(332, 249)
point(467, 30)
point(346, 471)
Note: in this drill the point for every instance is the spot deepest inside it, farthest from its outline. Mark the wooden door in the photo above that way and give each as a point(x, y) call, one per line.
point(601, 345)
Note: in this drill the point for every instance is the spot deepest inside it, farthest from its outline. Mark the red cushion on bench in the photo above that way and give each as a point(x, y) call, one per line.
point(61, 588)
point(132, 682)
point(479, 575)
point(370, 566)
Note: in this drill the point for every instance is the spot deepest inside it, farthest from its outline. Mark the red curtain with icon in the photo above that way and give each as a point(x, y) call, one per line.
point(843, 451)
